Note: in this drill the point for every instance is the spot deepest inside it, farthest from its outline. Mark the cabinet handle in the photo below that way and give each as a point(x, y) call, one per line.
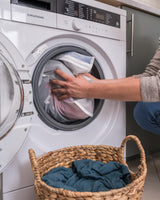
point(131, 51)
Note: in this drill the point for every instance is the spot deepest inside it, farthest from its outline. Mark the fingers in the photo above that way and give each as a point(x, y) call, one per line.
point(63, 75)
point(60, 93)
point(58, 82)
point(62, 97)
point(90, 76)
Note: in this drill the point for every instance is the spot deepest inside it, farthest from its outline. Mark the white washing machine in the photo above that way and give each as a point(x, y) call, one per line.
point(31, 34)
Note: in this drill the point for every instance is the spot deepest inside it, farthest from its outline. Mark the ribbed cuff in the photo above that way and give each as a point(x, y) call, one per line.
point(149, 89)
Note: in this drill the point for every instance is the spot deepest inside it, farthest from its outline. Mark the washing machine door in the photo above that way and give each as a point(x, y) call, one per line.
point(14, 101)
point(41, 95)
point(11, 96)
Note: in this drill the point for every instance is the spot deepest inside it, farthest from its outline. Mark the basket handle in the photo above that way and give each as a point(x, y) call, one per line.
point(34, 164)
point(140, 147)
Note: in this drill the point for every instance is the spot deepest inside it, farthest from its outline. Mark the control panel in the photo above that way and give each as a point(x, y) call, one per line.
point(91, 17)
point(86, 12)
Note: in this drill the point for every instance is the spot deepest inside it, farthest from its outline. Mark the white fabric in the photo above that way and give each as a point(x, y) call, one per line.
point(70, 109)
point(76, 62)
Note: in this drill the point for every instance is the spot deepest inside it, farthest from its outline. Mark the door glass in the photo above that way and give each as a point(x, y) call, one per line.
point(11, 97)
point(52, 112)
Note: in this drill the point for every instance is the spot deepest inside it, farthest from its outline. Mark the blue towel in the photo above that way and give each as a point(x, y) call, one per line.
point(89, 176)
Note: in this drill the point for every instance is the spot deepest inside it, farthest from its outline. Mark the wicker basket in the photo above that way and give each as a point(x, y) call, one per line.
point(64, 157)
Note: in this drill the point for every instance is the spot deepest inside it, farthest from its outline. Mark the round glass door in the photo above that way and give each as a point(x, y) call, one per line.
point(41, 94)
point(11, 96)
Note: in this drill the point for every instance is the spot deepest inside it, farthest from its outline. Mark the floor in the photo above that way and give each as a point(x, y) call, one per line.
point(152, 184)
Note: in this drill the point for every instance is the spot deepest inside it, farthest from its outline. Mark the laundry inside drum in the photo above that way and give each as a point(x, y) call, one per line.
point(69, 114)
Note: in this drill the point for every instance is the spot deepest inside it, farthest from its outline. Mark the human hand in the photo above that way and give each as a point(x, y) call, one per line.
point(77, 87)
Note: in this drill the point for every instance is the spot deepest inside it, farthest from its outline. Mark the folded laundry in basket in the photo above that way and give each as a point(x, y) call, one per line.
point(70, 109)
point(88, 175)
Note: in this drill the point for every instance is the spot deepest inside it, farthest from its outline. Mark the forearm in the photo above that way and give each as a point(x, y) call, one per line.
point(127, 89)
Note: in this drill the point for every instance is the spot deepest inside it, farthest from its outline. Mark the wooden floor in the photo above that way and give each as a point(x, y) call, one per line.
point(152, 184)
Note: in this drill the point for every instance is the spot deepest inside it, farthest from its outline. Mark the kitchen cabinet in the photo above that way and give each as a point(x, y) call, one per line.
point(143, 31)
point(153, 3)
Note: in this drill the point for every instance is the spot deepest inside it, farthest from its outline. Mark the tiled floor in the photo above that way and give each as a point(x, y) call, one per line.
point(152, 184)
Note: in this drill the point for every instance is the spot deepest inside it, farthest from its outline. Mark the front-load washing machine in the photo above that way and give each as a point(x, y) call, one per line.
point(38, 32)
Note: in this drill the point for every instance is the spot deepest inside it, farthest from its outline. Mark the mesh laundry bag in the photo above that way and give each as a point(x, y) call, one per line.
point(51, 105)
point(64, 158)
point(73, 110)
point(76, 62)
point(70, 109)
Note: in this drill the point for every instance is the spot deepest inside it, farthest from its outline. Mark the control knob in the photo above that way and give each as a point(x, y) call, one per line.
point(75, 26)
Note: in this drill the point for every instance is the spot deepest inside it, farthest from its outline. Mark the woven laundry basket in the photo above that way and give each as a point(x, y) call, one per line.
point(64, 158)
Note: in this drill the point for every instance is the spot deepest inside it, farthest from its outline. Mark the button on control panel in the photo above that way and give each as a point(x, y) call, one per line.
point(82, 26)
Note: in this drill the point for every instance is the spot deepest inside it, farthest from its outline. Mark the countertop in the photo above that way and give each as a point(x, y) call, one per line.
point(134, 4)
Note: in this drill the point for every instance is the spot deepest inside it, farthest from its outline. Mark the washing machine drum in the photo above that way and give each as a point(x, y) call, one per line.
point(11, 97)
point(42, 98)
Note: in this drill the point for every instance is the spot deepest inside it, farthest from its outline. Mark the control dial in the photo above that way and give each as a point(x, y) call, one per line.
point(75, 25)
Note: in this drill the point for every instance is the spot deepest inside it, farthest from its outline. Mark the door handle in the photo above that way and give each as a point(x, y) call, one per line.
point(131, 51)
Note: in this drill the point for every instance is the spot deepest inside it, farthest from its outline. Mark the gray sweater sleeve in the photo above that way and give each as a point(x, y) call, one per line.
point(150, 79)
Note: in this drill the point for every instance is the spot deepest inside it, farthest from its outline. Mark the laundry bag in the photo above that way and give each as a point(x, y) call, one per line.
point(64, 158)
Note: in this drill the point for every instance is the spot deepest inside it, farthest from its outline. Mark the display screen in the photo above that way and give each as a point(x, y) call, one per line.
point(82, 11)
point(100, 16)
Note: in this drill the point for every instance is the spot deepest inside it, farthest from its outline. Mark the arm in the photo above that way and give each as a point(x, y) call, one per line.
point(127, 89)
point(150, 79)
point(143, 87)
point(153, 67)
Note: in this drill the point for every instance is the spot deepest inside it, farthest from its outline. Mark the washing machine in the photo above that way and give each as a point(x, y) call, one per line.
point(31, 34)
